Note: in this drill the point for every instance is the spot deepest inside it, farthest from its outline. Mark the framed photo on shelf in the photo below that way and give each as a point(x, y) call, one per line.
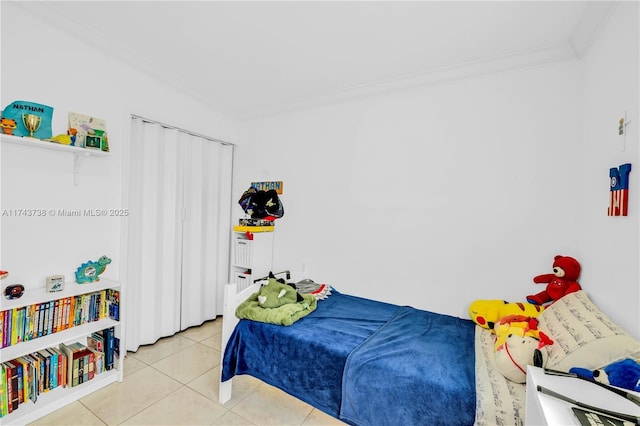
point(93, 142)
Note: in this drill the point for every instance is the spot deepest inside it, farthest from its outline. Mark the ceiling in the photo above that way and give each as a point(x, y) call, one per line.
point(253, 58)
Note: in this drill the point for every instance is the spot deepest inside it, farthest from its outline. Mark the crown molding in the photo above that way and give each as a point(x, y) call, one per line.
point(593, 19)
point(587, 30)
point(490, 65)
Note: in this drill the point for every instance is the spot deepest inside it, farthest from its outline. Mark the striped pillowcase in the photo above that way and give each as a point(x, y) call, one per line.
point(583, 335)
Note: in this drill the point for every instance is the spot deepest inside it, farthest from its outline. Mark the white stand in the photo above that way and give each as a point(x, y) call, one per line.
point(544, 409)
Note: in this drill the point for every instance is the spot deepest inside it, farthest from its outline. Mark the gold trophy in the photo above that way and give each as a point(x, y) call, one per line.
point(31, 122)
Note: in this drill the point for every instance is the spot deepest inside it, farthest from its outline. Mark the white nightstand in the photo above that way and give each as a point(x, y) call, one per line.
point(544, 409)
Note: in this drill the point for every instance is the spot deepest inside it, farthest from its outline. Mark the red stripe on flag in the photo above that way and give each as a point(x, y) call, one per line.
point(624, 202)
point(618, 203)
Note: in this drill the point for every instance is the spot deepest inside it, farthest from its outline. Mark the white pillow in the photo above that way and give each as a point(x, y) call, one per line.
point(583, 335)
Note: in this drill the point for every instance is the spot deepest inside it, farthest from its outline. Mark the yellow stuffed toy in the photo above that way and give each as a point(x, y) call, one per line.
point(486, 313)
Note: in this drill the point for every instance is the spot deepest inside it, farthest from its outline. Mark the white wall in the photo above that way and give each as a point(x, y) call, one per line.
point(63, 72)
point(609, 246)
point(437, 196)
point(433, 196)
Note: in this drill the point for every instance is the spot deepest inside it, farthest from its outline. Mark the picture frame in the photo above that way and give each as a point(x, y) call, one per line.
point(93, 142)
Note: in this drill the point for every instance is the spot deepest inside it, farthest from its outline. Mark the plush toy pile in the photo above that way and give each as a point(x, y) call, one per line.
point(518, 342)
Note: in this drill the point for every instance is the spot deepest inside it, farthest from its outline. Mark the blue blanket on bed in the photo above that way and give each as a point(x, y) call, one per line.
point(417, 369)
point(365, 362)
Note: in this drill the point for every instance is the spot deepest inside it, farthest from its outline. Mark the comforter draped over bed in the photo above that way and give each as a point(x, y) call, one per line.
point(417, 369)
point(365, 362)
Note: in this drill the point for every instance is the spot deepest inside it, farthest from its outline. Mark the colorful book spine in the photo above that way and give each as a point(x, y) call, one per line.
point(3, 392)
point(31, 322)
point(2, 315)
point(19, 386)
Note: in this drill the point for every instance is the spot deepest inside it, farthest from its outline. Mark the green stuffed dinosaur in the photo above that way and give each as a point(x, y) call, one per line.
point(277, 303)
point(275, 294)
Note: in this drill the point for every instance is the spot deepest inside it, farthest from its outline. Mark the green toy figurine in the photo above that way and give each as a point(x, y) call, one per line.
point(90, 272)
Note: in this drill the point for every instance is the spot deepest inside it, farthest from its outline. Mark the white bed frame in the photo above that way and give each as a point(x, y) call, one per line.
point(233, 296)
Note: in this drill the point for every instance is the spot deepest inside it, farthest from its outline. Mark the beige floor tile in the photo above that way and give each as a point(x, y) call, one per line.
point(189, 363)
point(132, 364)
point(121, 400)
point(183, 407)
point(74, 413)
point(204, 331)
point(213, 342)
point(270, 406)
point(163, 348)
point(207, 384)
point(232, 419)
point(318, 418)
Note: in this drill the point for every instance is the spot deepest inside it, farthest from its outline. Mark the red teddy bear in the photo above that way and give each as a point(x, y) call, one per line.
point(563, 281)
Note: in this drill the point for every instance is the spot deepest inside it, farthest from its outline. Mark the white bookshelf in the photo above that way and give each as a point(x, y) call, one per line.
point(58, 397)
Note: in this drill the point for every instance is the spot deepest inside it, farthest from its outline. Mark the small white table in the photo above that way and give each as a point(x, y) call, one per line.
point(544, 409)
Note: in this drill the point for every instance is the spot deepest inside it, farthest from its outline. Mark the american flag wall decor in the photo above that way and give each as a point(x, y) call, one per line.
point(619, 190)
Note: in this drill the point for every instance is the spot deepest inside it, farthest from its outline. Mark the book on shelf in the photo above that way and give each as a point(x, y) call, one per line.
point(45, 372)
point(23, 379)
point(108, 338)
point(2, 314)
point(3, 391)
point(74, 353)
point(116, 348)
point(81, 363)
point(34, 376)
point(96, 342)
point(20, 382)
point(11, 386)
point(37, 359)
point(98, 361)
point(4, 395)
point(112, 304)
point(53, 371)
point(30, 322)
point(6, 338)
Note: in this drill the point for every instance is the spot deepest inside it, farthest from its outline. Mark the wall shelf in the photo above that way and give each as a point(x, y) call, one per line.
point(39, 143)
point(78, 152)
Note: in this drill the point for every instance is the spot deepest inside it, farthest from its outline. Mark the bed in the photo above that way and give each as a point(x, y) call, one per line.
point(372, 363)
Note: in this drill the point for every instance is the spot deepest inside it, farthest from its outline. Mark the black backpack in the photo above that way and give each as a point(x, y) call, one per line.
point(259, 204)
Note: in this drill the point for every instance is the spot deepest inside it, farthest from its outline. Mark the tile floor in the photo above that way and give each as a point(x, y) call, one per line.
point(175, 382)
